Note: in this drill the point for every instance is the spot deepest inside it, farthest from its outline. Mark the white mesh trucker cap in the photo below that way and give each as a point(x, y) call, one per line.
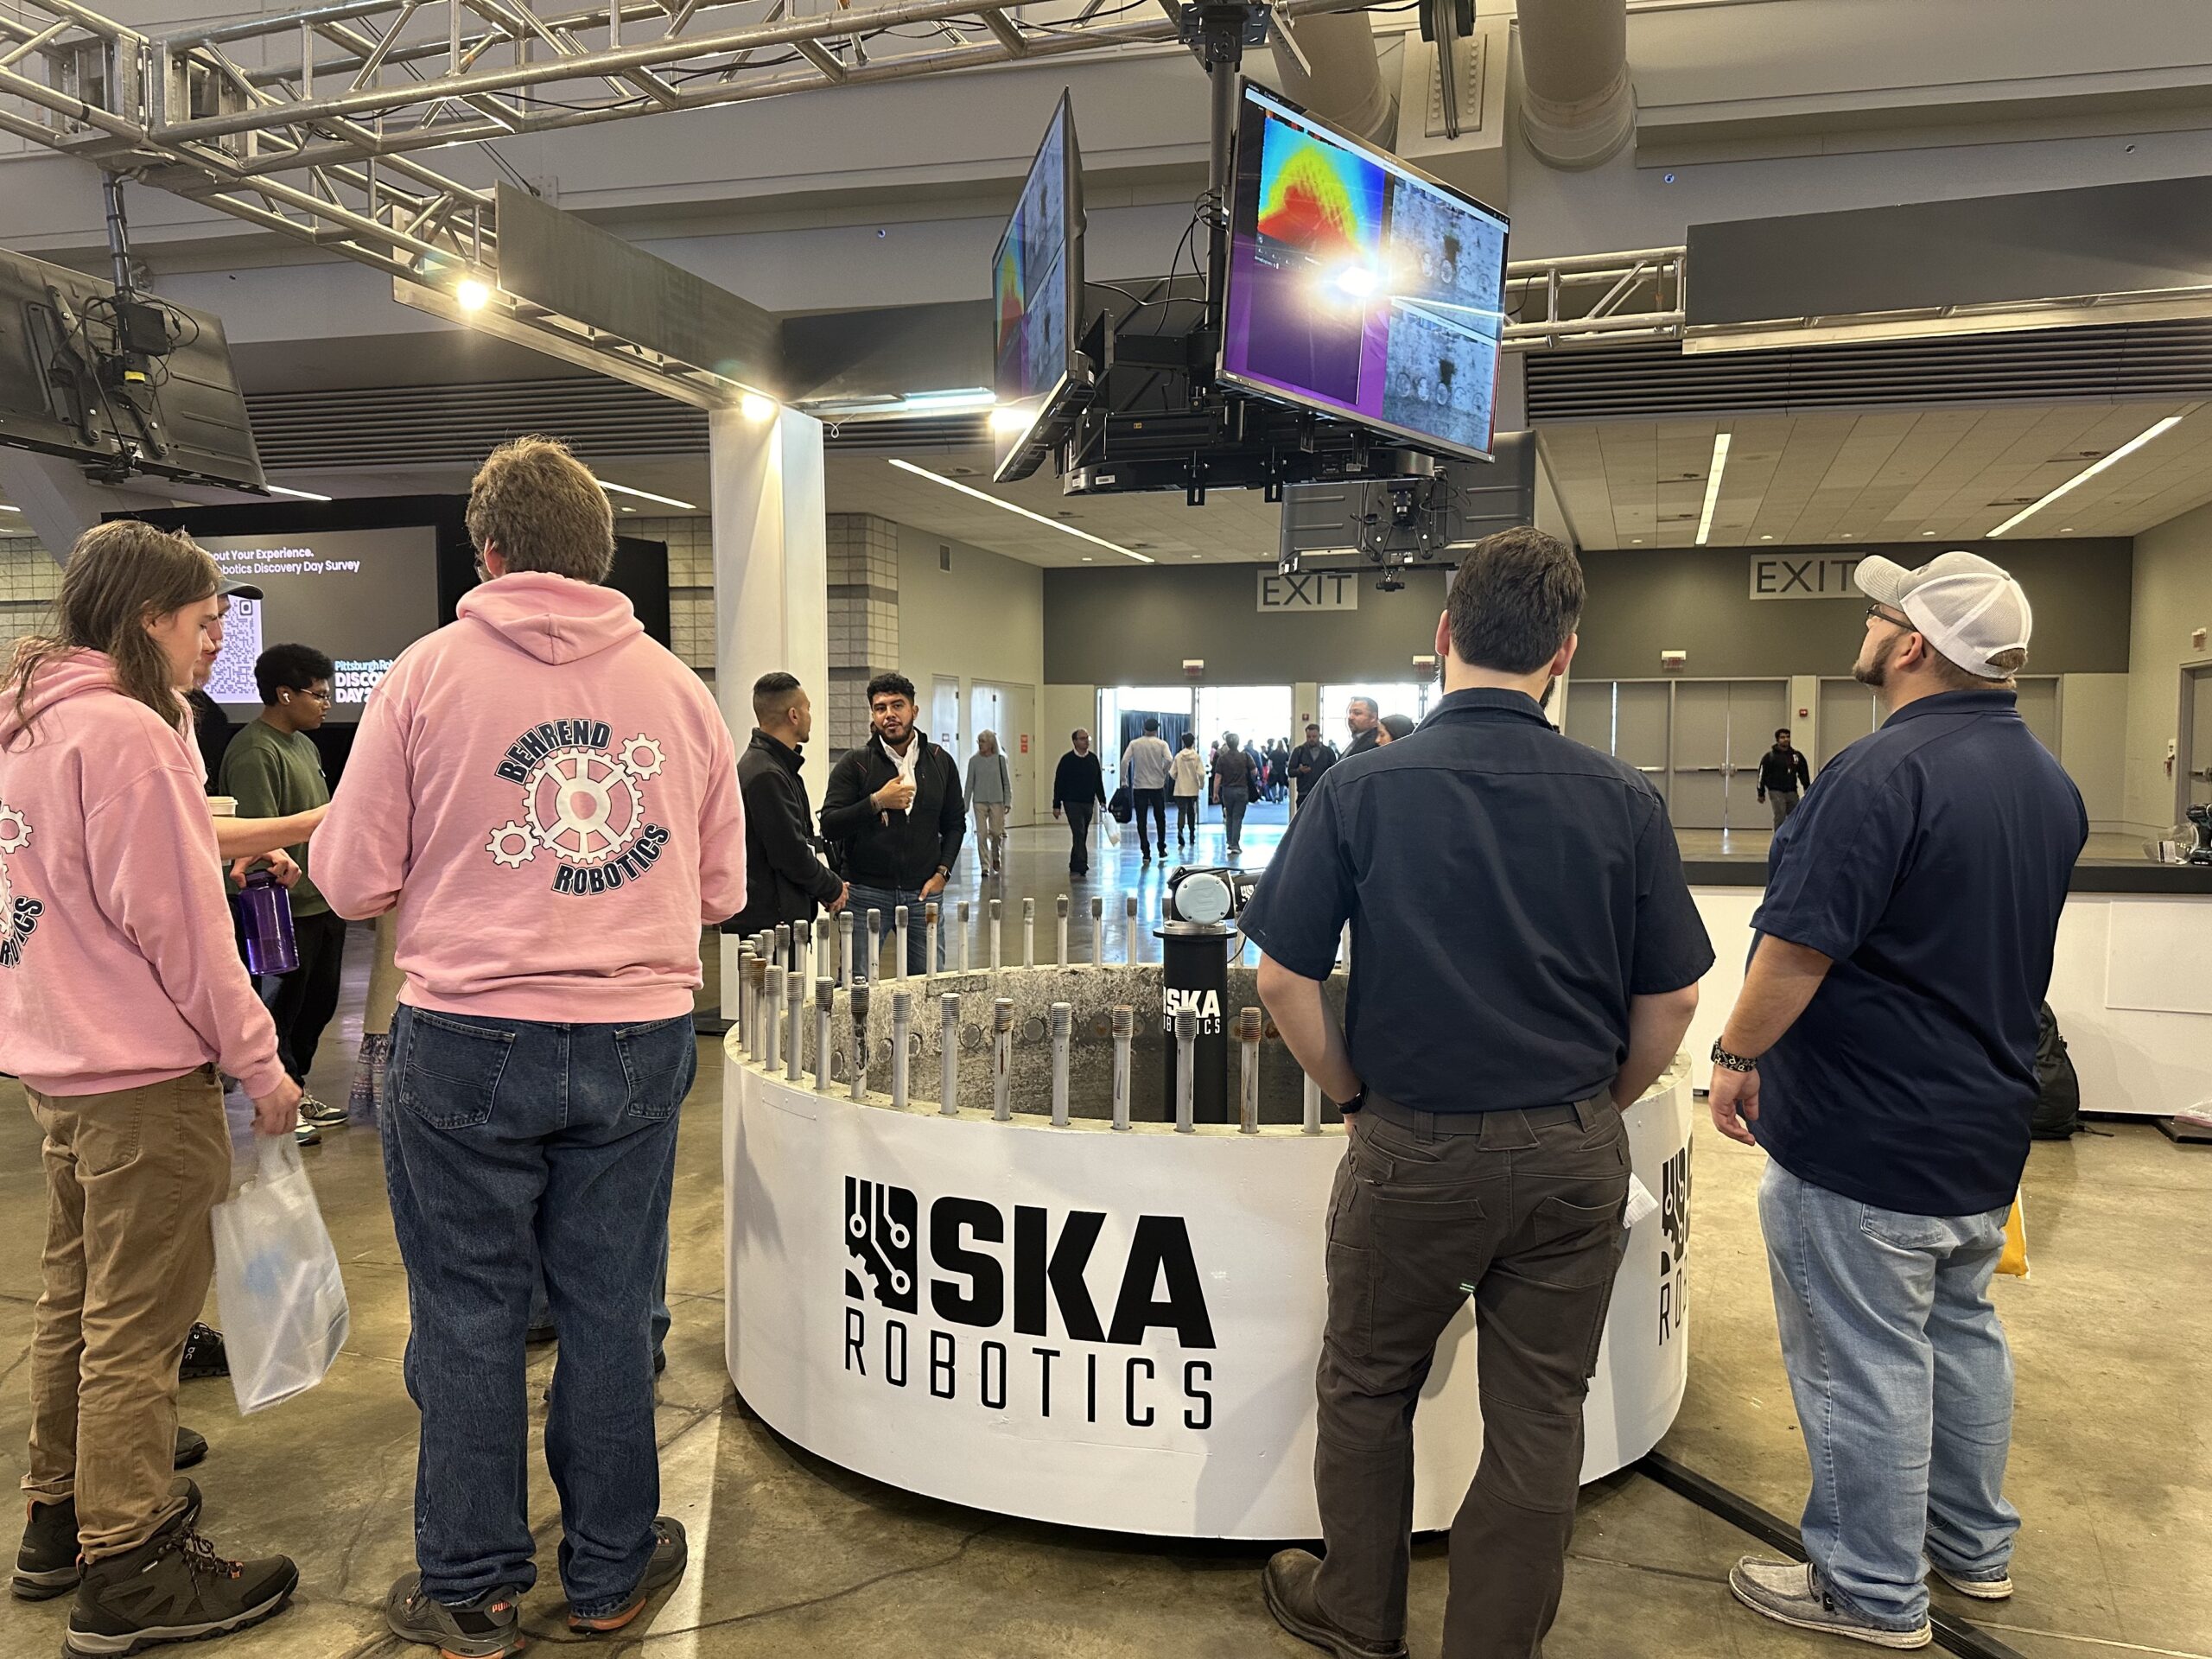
point(1969, 608)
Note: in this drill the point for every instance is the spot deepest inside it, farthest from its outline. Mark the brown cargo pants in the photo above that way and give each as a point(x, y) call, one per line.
point(1522, 1209)
point(130, 1179)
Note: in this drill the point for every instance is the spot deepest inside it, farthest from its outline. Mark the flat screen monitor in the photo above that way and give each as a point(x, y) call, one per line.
point(1037, 305)
point(1358, 287)
point(359, 596)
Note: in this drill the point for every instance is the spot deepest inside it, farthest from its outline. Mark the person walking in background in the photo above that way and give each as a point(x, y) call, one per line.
point(548, 799)
point(1079, 790)
point(122, 1000)
point(273, 769)
point(1145, 765)
point(893, 805)
point(1502, 1012)
point(1782, 774)
point(1396, 729)
point(1883, 1051)
point(1364, 716)
point(990, 793)
point(786, 879)
point(1308, 762)
point(1278, 770)
point(1235, 781)
point(1187, 775)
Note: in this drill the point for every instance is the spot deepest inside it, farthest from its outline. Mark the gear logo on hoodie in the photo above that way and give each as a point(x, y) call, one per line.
point(19, 912)
point(583, 803)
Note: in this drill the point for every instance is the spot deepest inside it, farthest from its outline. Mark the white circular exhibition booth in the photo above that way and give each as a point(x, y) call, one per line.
point(1096, 1327)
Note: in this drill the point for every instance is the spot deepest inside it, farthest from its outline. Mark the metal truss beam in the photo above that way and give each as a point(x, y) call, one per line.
point(1592, 299)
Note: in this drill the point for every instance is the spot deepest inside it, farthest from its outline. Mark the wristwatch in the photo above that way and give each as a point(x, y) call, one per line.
point(1728, 1062)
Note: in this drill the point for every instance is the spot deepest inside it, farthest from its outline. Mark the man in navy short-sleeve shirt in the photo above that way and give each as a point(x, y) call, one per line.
point(1883, 1052)
point(1525, 958)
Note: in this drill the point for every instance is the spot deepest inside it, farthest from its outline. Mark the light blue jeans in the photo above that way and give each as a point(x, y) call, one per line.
point(1904, 1387)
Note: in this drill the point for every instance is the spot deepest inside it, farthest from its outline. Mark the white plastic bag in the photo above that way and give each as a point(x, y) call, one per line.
point(283, 1304)
point(1113, 830)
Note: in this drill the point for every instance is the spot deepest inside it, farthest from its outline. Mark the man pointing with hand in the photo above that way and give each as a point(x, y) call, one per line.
point(894, 807)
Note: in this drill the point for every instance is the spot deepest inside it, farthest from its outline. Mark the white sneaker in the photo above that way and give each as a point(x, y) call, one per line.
point(305, 1133)
point(1997, 1589)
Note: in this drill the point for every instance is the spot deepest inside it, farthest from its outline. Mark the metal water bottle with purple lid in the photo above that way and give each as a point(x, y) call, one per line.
point(265, 908)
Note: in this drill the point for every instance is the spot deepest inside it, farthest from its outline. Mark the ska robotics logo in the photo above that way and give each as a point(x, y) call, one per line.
point(19, 912)
point(583, 803)
point(1675, 1222)
point(957, 1290)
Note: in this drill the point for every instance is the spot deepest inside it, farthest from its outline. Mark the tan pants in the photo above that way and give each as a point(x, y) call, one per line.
point(990, 833)
point(129, 1179)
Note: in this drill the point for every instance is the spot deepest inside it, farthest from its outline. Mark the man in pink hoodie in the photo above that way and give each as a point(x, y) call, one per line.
point(121, 997)
point(550, 800)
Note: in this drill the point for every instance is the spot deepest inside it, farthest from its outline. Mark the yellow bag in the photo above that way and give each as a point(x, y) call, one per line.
point(2015, 1259)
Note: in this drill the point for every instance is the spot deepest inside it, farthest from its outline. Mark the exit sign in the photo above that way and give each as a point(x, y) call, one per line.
point(1804, 575)
point(1309, 590)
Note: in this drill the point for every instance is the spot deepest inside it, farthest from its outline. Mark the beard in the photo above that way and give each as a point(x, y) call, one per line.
point(1875, 673)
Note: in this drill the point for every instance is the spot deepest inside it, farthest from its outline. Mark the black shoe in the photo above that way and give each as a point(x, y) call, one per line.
point(174, 1587)
point(48, 1564)
point(204, 1355)
point(538, 1335)
point(660, 1361)
point(670, 1552)
point(191, 1448)
point(490, 1630)
point(1288, 1583)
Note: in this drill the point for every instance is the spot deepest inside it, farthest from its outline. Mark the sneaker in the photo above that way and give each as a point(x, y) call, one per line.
point(670, 1552)
point(46, 1563)
point(203, 1354)
point(1287, 1582)
point(191, 1448)
point(1788, 1593)
point(1997, 1589)
point(320, 1112)
point(174, 1587)
point(489, 1630)
point(306, 1134)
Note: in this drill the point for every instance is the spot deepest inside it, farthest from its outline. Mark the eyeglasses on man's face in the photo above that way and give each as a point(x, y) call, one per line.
point(1878, 612)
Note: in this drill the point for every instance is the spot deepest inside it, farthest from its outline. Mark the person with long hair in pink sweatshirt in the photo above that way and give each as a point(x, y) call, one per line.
point(548, 800)
point(122, 1000)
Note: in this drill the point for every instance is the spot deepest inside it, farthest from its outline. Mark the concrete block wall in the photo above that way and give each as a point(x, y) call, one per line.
point(863, 622)
point(690, 583)
point(29, 580)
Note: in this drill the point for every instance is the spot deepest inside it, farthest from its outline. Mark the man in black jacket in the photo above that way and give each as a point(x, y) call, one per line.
point(894, 805)
point(1308, 762)
point(1079, 789)
point(1782, 774)
point(785, 881)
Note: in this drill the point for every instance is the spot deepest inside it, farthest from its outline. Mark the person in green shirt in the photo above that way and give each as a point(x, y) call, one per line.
point(273, 769)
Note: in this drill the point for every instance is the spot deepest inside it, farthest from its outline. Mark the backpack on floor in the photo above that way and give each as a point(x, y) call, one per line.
point(2059, 1089)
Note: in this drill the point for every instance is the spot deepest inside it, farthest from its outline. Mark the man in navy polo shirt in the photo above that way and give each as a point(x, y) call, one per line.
point(1883, 1052)
point(1525, 959)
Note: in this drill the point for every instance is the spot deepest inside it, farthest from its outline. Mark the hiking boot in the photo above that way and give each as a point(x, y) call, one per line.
point(1791, 1592)
point(204, 1355)
point(1286, 1581)
point(48, 1564)
point(191, 1448)
point(174, 1587)
point(1997, 1589)
point(490, 1629)
point(665, 1568)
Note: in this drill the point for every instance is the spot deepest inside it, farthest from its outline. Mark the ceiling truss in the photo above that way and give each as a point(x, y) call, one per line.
point(310, 124)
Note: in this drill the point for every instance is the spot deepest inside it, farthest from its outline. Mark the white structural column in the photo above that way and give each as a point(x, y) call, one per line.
point(771, 578)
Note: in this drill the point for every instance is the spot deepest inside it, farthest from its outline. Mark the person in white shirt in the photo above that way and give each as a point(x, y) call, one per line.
point(1188, 772)
point(1145, 767)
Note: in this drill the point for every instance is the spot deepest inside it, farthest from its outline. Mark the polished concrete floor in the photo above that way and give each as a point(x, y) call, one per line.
point(2113, 1465)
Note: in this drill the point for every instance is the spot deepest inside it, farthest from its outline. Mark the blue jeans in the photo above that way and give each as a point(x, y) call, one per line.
point(508, 1143)
point(886, 900)
point(541, 1305)
point(1233, 804)
point(1904, 1386)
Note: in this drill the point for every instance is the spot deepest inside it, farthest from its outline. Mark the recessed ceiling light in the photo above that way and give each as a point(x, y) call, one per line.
point(4, 507)
point(1086, 558)
point(647, 495)
point(1637, 540)
point(1023, 512)
point(278, 489)
point(2156, 430)
point(1928, 532)
point(2068, 531)
point(1766, 538)
point(1711, 486)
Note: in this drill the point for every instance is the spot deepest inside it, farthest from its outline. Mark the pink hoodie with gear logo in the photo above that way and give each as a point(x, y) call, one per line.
point(549, 797)
point(118, 964)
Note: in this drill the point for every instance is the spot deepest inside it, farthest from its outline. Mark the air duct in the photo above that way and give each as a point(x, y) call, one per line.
point(1340, 80)
point(1577, 107)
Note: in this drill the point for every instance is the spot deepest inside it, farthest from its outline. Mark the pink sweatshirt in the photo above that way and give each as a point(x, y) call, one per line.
point(551, 799)
point(118, 967)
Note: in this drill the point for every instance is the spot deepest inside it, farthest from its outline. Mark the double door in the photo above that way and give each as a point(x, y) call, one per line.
point(1699, 741)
